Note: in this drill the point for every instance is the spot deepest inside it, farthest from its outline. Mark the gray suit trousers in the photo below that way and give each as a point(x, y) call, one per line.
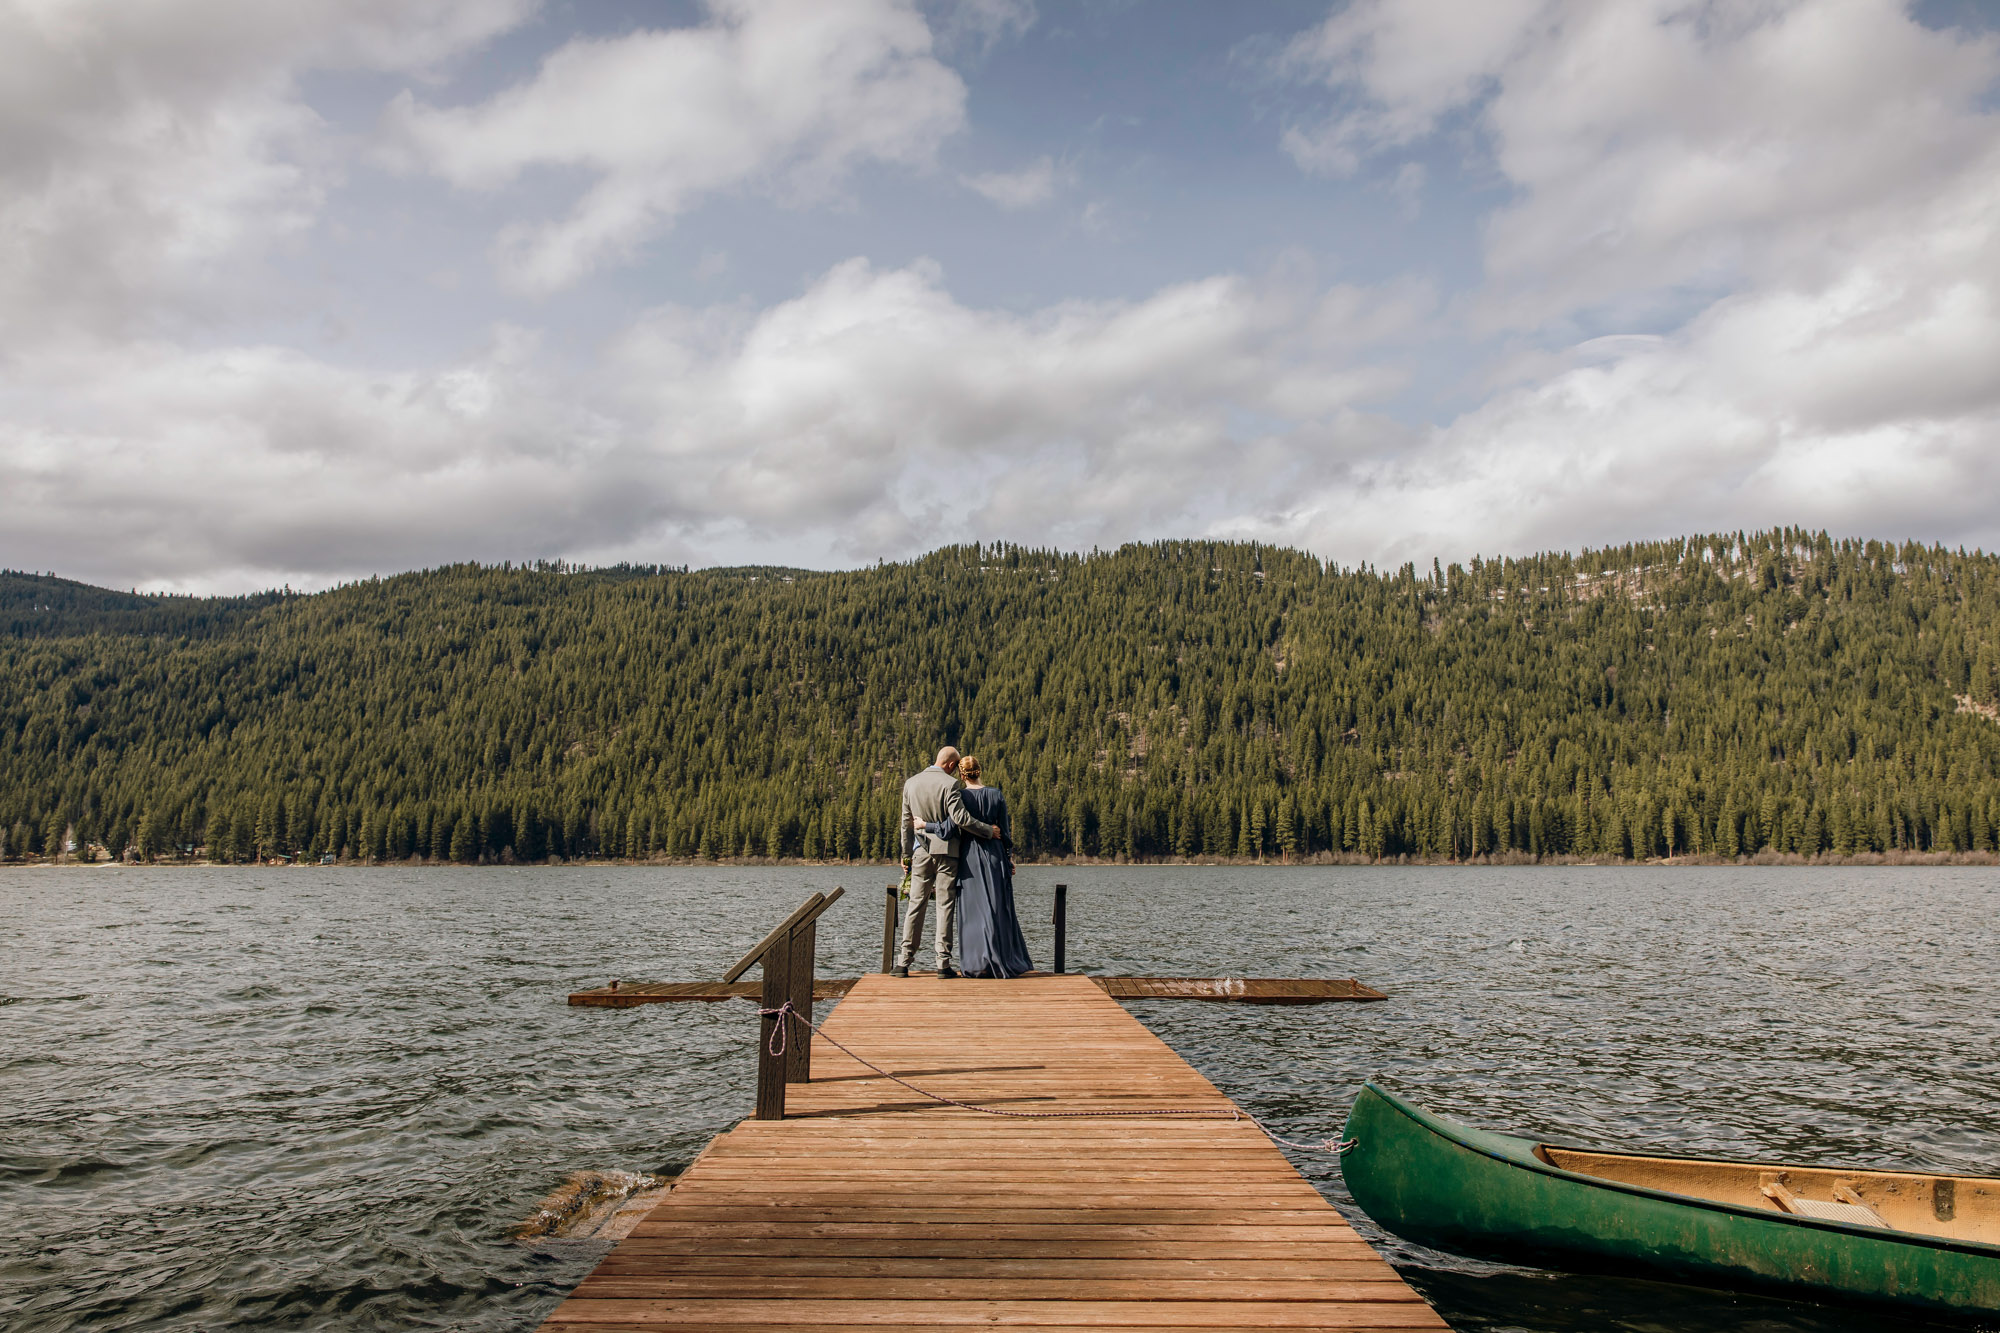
point(930, 874)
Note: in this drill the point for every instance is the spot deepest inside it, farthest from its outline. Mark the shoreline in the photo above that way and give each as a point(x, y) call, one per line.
point(1321, 860)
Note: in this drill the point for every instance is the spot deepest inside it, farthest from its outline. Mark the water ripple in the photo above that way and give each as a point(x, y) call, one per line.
point(319, 1097)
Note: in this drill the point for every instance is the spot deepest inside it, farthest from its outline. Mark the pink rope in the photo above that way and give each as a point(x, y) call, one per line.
point(780, 1030)
point(786, 1010)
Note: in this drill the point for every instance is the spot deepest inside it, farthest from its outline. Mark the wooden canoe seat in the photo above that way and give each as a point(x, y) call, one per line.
point(1845, 1206)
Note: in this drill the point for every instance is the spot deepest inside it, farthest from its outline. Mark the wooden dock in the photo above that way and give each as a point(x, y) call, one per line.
point(1238, 990)
point(627, 994)
point(871, 1206)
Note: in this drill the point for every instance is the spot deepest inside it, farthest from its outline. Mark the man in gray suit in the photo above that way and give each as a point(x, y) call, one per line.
point(931, 797)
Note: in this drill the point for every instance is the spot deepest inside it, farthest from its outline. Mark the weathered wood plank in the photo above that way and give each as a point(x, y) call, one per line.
point(1238, 990)
point(941, 1213)
point(1056, 1264)
point(871, 1205)
point(803, 1189)
point(906, 1231)
point(587, 1326)
point(1001, 1314)
point(629, 994)
point(1014, 1243)
point(948, 1287)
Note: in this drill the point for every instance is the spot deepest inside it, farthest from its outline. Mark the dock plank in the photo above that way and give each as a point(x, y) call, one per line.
point(970, 1310)
point(629, 994)
point(872, 1206)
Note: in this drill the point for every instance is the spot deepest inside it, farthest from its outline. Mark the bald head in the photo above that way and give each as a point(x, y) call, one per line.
point(948, 758)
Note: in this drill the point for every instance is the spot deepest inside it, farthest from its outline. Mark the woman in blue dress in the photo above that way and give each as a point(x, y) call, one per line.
point(990, 940)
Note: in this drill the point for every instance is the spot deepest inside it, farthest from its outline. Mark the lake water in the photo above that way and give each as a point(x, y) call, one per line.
point(318, 1098)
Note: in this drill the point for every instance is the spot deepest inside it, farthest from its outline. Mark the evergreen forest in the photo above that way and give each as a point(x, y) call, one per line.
point(1716, 696)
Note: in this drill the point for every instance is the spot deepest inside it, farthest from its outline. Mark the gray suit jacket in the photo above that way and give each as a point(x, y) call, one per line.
point(932, 796)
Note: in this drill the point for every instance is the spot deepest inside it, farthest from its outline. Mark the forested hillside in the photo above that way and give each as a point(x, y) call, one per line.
point(1715, 695)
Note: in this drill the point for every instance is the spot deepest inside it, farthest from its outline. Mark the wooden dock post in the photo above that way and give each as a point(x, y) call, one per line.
point(798, 1046)
point(787, 956)
point(1062, 925)
point(771, 1069)
point(889, 927)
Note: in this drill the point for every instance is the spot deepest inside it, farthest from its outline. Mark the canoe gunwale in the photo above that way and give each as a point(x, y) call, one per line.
point(1528, 1158)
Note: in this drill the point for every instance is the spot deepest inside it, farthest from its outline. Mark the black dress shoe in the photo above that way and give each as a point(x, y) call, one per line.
point(946, 974)
point(899, 971)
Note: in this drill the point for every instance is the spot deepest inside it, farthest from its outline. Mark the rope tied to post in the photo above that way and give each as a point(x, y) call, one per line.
point(787, 1011)
point(781, 1028)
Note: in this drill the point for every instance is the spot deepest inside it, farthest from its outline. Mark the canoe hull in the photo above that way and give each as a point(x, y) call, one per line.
point(1488, 1196)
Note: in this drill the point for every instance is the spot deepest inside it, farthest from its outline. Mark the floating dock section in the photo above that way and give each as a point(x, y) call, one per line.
point(1239, 990)
point(872, 1207)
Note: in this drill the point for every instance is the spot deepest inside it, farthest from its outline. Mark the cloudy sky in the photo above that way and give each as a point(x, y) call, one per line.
point(305, 291)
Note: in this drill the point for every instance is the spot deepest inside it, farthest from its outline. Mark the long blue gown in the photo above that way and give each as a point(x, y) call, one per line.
point(989, 933)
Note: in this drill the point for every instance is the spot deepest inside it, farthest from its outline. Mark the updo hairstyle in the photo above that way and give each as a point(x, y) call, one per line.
point(968, 768)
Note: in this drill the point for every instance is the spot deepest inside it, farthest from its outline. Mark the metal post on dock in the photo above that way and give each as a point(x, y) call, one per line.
point(1062, 925)
point(787, 956)
point(889, 927)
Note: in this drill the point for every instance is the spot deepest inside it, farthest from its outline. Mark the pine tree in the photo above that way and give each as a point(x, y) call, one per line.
point(1131, 701)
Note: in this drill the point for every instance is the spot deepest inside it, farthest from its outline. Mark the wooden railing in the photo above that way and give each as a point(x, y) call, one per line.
point(787, 954)
point(889, 904)
point(889, 927)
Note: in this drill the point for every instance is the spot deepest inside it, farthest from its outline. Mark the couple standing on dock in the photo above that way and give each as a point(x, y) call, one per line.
point(938, 813)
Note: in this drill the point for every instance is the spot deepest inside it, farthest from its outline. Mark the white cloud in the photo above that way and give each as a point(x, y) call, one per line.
point(880, 410)
point(244, 465)
point(1768, 409)
point(1663, 144)
point(1401, 67)
point(873, 415)
point(1031, 185)
point(1746, 271)
point(148, 152)
point(1716, 146)
point(785, 94)
point(1805, 196)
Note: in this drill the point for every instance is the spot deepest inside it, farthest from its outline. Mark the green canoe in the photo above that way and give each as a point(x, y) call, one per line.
point(1924, 1243)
